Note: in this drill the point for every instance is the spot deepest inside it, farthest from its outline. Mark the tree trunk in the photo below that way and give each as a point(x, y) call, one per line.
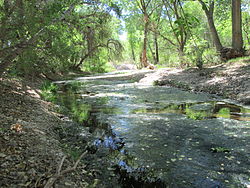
point(156, 48)
point(152, 52)
point(214, 34)
point(89, 54)
point(133, 52)
point(181, 56)
point(209, 14)
point(90, 40)
point(144, 59)
point(237, 41)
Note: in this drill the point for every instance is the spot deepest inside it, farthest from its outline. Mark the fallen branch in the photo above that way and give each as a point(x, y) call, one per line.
point(60, 173)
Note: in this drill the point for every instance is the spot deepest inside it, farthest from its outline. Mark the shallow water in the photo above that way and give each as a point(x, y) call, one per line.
point(163, 136)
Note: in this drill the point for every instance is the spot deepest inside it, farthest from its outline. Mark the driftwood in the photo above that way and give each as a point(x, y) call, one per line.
point(60, 173)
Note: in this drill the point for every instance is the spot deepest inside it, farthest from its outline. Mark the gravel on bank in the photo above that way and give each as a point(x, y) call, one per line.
point(230, 80)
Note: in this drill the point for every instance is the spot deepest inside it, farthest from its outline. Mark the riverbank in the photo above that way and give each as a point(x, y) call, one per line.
point(38, 143)
point(230, 80)
point(35, 137)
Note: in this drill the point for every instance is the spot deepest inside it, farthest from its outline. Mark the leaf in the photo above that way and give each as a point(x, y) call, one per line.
point(16, 127)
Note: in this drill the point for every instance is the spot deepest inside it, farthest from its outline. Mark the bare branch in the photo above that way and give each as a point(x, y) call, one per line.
point(60, 173)
point(167, 39)
point(147, 4)
point(60, 165)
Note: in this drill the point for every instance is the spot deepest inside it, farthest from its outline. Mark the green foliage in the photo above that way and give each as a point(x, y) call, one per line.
point(224, 112)
point(77, 111)
point(210, 57)
point(49, 91)
point(52, 36)
point(184, 23)
point(73, 86)
point(58, 36)
point(220, 150)
point(196, 115)
point(224, 27)
point(109, 67)
point(80, 112)
point(240, 59)
point(67, 99)
point(73, 152)
point(96, 64)
point(2, 130)
point(246, 27)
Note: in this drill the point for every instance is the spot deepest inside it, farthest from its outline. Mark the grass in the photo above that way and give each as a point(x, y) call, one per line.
point(48, 91)
point(160, 66)
point(240, 60)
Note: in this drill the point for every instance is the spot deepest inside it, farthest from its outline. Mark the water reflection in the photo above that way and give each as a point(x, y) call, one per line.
point(152, 139)
point(199, 111)
point(78, 111)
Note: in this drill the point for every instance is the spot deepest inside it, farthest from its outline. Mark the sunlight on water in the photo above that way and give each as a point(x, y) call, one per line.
point(163, 134)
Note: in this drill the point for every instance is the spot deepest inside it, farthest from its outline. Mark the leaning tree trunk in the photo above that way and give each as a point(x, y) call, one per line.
point(214, 34)
point(237, 41)
point(209, 11)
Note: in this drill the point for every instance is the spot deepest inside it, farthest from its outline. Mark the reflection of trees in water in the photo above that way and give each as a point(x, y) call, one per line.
point(78, 111)
point(231, 111)
point(199, 111)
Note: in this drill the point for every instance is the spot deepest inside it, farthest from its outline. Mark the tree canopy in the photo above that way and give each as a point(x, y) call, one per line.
point(52, 36)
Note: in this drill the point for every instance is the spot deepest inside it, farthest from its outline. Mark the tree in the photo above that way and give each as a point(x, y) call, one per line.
point(144, 7)
point(155, 24)
point(246, 21)
point(209, 11)
point(133, 32)
point(178, 25)
point(175, 26)
point(54, 36)
point(23, 23)
point(237, 40)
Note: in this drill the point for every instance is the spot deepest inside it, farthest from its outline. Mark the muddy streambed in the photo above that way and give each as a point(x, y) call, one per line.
point(162, 136)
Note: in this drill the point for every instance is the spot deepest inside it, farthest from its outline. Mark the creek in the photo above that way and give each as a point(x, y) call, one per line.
point(160, 136)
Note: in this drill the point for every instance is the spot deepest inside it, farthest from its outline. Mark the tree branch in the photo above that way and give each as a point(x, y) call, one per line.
point(60, 173)
point(17, 51)
point(165, 38)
